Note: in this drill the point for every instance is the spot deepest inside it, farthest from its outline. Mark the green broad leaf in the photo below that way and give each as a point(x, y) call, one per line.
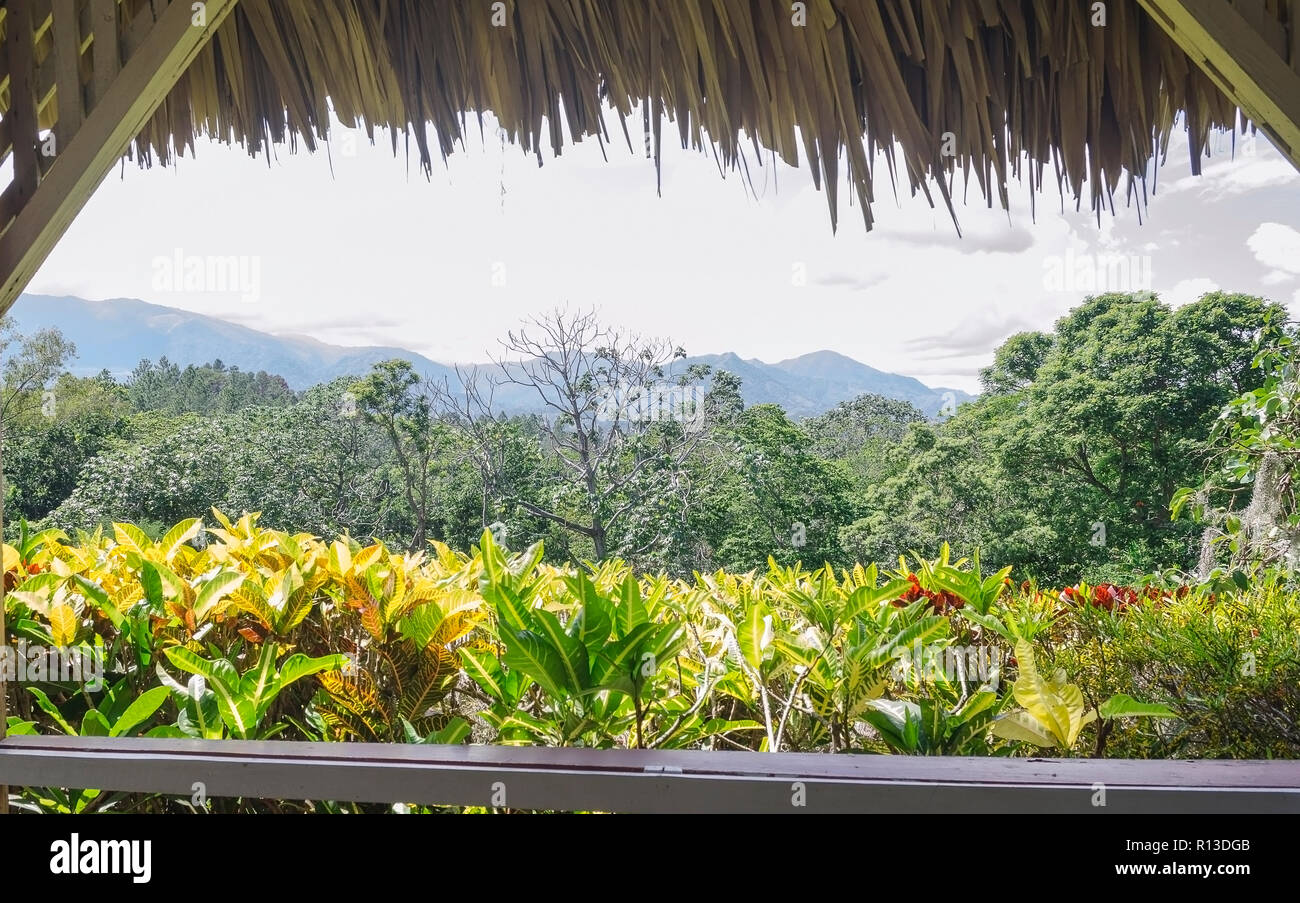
point(592, 624)
point(238, 713)
point(39, 583)
point(223, 681)
point(867, 598)
point(258, 685)
point(530, 654)
point(979, 702)
point(716, 726)
point(1121, 705)
point(891, 731)
point(455, 731)
point(520, 722)
point(896, 711)
point(298, 666)
point(19, 728)
point(614, 664)
point(494, 563)
point(168, 731)
point(572, 652)
point(171, 683)
point(594, 619)
point(43, 538)
point(152, 582)
point(52, 710)
point(526, 562)
point(31, 629)
point(484, 669)
point(194, 663)
point(912, 730)
point(94, 724)
point(660, 646)
point(988, 621)
point(923, 631)
point(139, 711)
point(201, 715)
point(631, 610)
point(173, 586)
point(421, 624)
point(512, 612)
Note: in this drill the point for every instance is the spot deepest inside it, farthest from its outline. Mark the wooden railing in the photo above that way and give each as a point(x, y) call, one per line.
point(648, 781)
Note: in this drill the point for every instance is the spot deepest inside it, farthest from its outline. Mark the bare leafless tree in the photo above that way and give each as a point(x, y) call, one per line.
point(590, 382)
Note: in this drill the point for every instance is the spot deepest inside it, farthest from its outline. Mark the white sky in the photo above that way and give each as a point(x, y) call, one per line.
point(372, 254)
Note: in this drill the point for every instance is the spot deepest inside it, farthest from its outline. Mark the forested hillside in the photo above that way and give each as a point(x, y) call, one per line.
point(1066, 467)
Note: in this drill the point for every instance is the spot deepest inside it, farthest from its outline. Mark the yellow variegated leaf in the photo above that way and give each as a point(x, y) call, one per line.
point(132, 537)
point(178, 536)
point(1039, 698)
point(366, 557)
point(1023, 727)
point(63, 624)
point(1072, 699)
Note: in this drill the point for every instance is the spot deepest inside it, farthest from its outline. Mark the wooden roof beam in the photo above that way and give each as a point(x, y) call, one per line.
point(1242, 61)
point(51, 69)
point(22, 99)
point(107, 53)
point(127, 104)
point(67, 69)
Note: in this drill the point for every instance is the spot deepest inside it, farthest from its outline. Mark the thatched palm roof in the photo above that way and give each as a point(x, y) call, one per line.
point(1006, 77)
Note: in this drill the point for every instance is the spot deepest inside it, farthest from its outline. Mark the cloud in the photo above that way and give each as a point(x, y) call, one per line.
point(359, 321)
point(1237, 176)
point(849, 281)
point(1276, 246)
point(949, 372)
point(1275, 277)
point(240, 315)
point(1010, 240)
point(1187, 291)
point(974, 335)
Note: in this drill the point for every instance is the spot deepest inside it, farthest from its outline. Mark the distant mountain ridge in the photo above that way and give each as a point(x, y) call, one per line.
point(115, 335)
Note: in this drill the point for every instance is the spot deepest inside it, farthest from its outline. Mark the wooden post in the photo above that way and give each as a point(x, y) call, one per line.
point(22, 98)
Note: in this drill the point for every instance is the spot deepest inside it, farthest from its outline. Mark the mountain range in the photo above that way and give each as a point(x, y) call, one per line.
point(116, 335)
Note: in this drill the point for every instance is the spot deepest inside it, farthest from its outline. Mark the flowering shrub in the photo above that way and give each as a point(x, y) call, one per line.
point(360, 642)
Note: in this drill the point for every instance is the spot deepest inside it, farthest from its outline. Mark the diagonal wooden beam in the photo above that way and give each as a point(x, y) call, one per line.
point(1241, 61)
point(117, 117)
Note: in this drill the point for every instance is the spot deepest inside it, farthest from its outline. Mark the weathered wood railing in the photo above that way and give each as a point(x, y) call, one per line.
point(648, 781)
